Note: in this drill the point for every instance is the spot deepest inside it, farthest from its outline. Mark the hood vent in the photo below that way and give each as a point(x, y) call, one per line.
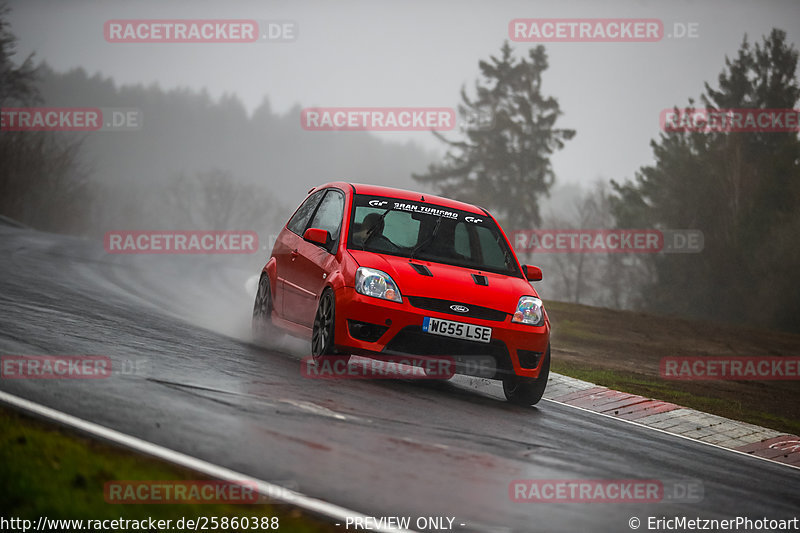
point(421, 269)
point(480, 279)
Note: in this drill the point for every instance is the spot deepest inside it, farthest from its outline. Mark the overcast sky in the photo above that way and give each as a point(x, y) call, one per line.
point(420, 53)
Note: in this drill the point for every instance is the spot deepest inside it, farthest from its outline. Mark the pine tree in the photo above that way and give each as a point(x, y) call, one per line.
point(742, 189)
point(506, 166)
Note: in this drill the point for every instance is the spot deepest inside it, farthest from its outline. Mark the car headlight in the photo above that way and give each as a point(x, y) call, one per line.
point(529, 311)
point(378, 284)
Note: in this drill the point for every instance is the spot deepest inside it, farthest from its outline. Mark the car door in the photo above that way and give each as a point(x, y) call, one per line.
point(313, 262)
point(286, 247)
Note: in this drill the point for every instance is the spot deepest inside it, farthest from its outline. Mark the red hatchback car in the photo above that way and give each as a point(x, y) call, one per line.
point(377, 272)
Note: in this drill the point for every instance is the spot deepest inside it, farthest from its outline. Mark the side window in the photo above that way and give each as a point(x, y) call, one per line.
point(493, 255)
point(461, 240)
point(330, 213)
point(297, 224)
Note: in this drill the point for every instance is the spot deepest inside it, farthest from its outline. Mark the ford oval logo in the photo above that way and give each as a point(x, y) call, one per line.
point(459, 308)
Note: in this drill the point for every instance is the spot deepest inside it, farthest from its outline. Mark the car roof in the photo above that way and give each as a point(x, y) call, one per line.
point(403, 194)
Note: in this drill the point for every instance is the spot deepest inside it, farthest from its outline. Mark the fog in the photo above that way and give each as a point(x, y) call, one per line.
point(366, 53)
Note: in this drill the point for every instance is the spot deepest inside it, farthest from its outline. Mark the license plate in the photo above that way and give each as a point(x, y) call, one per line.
point(458, 330)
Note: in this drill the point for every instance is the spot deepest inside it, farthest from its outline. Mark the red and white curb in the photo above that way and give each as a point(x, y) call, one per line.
point(671, 418)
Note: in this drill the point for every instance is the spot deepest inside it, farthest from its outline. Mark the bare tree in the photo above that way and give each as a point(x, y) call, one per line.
point(601, 279)
point(42, 183)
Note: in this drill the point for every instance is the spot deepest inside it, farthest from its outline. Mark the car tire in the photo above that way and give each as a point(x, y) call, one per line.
point(322, 340)
point(262, 327)
point(520, 390)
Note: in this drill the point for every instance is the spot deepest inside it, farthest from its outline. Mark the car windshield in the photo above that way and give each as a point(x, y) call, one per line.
point(429, 232)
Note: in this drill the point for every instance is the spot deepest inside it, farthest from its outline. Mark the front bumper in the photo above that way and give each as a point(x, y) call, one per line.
point(515, 348)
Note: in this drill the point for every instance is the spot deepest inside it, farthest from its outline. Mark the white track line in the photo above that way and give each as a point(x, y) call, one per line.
point(274, 492)
point(635, 423)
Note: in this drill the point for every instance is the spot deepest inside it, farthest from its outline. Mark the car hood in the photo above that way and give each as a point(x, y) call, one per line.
point(448, 282)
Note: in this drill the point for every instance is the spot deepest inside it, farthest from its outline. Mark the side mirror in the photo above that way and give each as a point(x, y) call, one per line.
point(317, 236)
point(532, 273)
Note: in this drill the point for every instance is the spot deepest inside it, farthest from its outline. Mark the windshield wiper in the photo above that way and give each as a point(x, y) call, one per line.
point(428, 240)
point(373, 227)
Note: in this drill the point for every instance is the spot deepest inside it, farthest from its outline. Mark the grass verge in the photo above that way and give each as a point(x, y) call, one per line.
point(623, 350)
point(47, 471)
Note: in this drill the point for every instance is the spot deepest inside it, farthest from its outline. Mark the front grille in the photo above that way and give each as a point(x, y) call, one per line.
point(443, 306)
point(489, 360)
point(412, 340)
point(471, 357)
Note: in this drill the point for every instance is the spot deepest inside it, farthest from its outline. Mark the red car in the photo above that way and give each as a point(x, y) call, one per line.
point(377, 271)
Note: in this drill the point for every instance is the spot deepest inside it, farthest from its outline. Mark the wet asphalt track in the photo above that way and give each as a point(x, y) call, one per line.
point(192, 383)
